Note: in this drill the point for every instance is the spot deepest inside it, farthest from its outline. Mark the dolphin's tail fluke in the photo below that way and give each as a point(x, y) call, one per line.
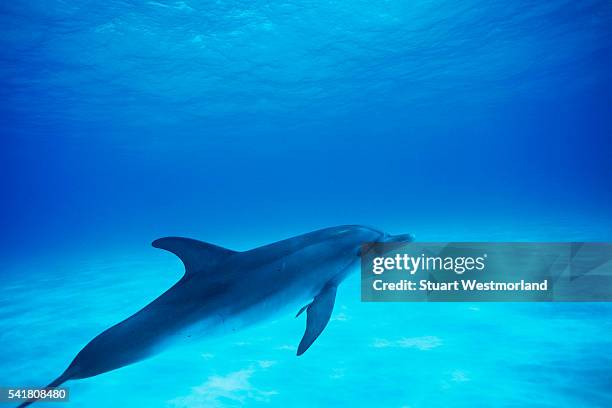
point(67, 375)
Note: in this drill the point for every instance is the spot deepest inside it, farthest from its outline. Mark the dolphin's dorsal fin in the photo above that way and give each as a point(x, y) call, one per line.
point(197, 256)
point(317, 315)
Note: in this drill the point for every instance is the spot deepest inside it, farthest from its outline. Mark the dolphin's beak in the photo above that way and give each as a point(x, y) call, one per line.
point(399, 238)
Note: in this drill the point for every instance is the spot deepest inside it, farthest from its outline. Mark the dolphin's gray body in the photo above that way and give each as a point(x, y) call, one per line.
point(227, 289)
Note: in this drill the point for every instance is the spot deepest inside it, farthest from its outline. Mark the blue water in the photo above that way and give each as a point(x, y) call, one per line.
point(245, 122)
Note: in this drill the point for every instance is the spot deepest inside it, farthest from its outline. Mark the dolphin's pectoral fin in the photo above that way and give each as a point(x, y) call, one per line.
point(317, 315)
point(302, 309)
point(197, 256)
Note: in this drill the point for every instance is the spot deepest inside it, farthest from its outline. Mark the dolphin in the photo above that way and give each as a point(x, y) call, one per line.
point(226, 289)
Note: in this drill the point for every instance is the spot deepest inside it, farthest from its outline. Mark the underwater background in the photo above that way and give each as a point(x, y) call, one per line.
point(245, 122)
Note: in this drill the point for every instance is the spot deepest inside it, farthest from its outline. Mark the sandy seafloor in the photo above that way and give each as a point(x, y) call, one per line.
point(371, 354)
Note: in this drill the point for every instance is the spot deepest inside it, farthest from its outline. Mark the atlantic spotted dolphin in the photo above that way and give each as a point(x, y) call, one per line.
point(226, 289)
